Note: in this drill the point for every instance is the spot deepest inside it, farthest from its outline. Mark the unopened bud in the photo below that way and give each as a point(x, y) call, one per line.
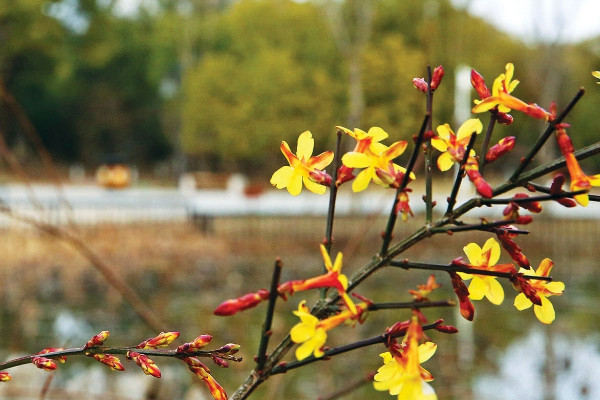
point(5, 376)
point(479, 85)
point(436, 79)
point(420, 84)
point(97, 340)
point(501, 148)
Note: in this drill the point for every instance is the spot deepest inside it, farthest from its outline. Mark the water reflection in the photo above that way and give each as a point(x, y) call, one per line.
point(544, 365)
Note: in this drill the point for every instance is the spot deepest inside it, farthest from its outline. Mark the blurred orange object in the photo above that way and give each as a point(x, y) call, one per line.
point(113, 176)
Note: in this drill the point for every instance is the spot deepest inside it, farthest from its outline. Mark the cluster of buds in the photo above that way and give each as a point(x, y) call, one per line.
point(188, 352)
point(45, 363)
point(436, 78)
point(511, 211)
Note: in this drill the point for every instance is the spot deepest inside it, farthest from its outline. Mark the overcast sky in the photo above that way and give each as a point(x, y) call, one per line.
point(563, 20)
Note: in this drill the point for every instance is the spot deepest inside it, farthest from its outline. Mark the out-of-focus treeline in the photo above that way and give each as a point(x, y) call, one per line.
point(217, 84)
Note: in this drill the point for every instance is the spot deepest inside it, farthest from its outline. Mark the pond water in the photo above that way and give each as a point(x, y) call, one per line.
point(504, 354)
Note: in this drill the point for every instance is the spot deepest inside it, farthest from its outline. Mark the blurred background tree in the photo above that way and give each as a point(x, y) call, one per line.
point(213, 84)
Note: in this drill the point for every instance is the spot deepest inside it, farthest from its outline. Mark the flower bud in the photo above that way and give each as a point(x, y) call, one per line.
point(462, 292)
point(145, 363)
point(344, 175)
point(229, 349)
point(479, 85)
point(5, 376)
point(195, 345)
point(420, 84)
point(320, 177)
point(109, 360)
point(436, 79)
point(97, 340)
point(44, 363)
point(482, 187)
point(250, 300)
point(498, 150)
point(162, 340)
point(220, 362)
point(556, 188)
point(504, 118)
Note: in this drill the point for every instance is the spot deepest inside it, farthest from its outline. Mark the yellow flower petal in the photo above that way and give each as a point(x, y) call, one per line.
point(469, 127)
point(485, 105)
point(477, 288)
point(555, 288)
point(355, 159)
point(301, 332)
point(326, 258)
point(282, 177)
point(313, 186)
point(545, 312)
point(426, 350)
point(377, 134)
point(295, 185)
point(445, 161)
point(495, 293)
point(444, 132)
point(362, 179)
point(306, 144)
point(522, 302)
point(304, 350)
point(473, 252)
point(492, 244)
point(439, 144)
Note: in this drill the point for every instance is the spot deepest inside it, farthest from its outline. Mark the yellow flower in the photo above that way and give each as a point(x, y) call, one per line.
point(545, 312)
point(312, 332)
point(309, 332)
point(453, 146)
point(596, 74)
point(401, 373)
point(485, 258)
point(303, 168)
point(503, 101)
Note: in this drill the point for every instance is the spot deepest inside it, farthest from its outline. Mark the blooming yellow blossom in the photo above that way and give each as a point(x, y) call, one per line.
point(453, 146)
point(311, 333)
point(545, 311)
point(401, 373)
point(485, 258)
point(596, 74)
point(303, 168)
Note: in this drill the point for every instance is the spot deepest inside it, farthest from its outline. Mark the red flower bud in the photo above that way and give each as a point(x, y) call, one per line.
point(145, 363)
point(462, 292)
point(556, 188)
point(512, 248)
point(482, 187)
point(436, 79)
point(195, 345)
point(220, 362)
point(109, 360)
point(479, 85)
point(162, 340)
point(533, 206)
point(250, 300)
point(5, 376)
point(446, 328)
point(320, 177)
point(524, 286)
point(97, 340)
point(44, 363)
point(504, 119)
point(420, 84)
point(202, 372)
point(498, 150)
point(344, 175)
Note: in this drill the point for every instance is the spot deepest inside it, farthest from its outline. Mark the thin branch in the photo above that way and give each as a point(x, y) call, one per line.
point(284, 367)
point(458, 268)
point(460, 175)
point(387, 235)
point(429, 154)
point(411, 304)
point(82, 351)
point(486, 140)
point(266, 330)
point(544, 169)
point(545, 136)
point(483, 226)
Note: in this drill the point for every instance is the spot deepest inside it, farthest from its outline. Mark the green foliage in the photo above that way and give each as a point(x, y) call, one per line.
point(270, 77)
